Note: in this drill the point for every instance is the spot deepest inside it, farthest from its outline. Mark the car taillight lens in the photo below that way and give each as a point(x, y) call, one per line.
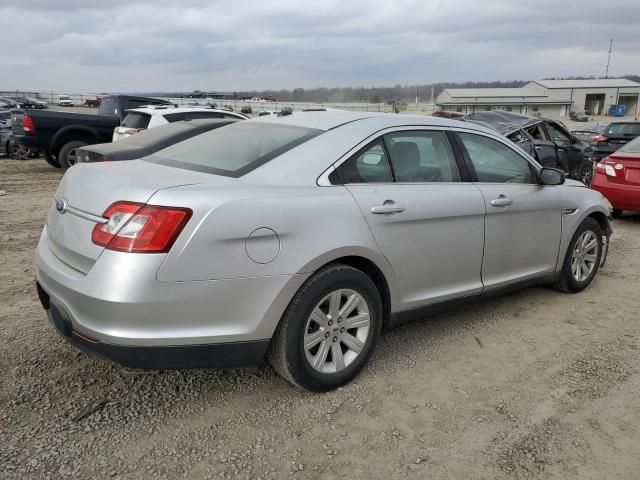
point(139, 228)
point(600, 138)
point(608, 167)
point(28, 125)
point(132, 131)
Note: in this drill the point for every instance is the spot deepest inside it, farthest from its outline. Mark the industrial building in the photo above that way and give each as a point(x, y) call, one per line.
point(555, 98)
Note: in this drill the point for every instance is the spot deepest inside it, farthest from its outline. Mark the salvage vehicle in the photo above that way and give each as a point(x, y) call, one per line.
point(299, 238)
point(548, 141)
point(6, 103)
point(5, 133)
point(59, 134)
point(617, 177)
point(579, 116)
point(140, 119)
point(30, 102)
point(92, 102)
point(616, 135)
point(148, 142)
point(590, 134)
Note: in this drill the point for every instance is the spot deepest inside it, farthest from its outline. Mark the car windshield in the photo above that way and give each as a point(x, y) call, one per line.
point(234, 150)
point(632, 147)
point(64, 97)
point(630, 129)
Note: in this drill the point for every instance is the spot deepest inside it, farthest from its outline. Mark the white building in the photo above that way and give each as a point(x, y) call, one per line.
point(553, 98)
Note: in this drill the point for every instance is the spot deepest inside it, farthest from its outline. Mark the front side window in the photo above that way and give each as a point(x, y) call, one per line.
point(369, 165)
point(537, 132)
point(200, 115)
point(494, 162)
point(556, 133)
point(421, 156)
point(234, 150)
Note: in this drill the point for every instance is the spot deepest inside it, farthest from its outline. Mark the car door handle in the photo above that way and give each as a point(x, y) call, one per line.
point(501, 201)
point(386, 209)
point(561, 149)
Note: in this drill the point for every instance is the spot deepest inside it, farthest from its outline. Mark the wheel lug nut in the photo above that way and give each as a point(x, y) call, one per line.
point(335, 339)
point(327, 335)
point(339, 319)
point(342, 330)
point(330, 322)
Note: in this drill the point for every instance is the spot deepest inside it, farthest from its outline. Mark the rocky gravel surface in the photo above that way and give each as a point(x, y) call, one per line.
point(537, 384)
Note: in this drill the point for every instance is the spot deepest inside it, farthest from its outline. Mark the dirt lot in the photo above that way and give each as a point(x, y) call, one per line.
point(534, 385)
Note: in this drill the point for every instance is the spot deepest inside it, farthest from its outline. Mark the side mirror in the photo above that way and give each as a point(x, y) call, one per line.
point(551, 176)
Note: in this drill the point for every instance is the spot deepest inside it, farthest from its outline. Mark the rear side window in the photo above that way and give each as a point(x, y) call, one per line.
point(198, 115)
point(631, 147)
point(236, 149)
point(369, 165)
point(136, 120)
point(175, 117)
point(421, 156)
point(624, 129)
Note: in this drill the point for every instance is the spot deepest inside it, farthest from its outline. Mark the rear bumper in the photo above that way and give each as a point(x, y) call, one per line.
point(27, 141)
point(622, 197)
point(220, 355)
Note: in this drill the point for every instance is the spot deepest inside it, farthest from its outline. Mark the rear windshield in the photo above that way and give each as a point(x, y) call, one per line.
point(108, 106)
point(632, 147)
point(136, 120)
point(630, 129)
point(234, 150)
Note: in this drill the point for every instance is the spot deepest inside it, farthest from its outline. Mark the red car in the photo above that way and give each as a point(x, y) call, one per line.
point(617, 177)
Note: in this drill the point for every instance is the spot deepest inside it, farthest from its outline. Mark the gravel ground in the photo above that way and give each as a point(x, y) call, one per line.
point(537, 384)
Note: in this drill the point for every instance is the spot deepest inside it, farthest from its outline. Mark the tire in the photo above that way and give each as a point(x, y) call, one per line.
point(572, 280)
point(616, 213)
point(66, 155)
point(51, 160)
point(287, 353)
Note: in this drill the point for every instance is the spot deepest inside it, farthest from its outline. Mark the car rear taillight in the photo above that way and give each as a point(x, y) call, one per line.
point(139, 228)
point(132, 131)
point(609, 167)
point(600, 138)
point(28, 125)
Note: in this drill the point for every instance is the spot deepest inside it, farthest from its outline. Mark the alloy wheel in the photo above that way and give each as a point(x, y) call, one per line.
point(585, 256)
point(336, 331)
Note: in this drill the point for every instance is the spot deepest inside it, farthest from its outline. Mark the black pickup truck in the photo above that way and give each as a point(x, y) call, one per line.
point(60, 134)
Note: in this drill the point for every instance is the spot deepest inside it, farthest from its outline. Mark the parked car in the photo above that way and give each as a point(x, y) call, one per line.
point(148, 141)
point(579, 116)
point(5, 133)
point(6, 103)
point(299, 238)
point(30, 102)
point(140, 119)
point(615, 136)
point(548, 141)
point(591, 133)
point(65, 101)
point(59, 134)
point(617, 177)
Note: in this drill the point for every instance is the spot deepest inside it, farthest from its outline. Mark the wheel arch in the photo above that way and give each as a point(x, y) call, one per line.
point(71, 133)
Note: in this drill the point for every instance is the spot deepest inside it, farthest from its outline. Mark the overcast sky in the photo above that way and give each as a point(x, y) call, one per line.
point(183, 45)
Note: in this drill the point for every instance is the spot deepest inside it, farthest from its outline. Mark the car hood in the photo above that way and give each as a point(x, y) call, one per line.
point(503, 122)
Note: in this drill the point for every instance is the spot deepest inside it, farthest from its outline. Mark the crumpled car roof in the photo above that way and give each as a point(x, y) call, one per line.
point(503, 122)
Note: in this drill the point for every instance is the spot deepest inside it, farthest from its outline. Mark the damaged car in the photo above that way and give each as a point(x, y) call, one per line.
point(546, 140)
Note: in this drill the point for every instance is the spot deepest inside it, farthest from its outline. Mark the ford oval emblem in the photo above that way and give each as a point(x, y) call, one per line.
point(61, 205)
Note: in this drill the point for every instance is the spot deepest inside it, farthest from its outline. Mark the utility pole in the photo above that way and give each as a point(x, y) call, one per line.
point(606, 75)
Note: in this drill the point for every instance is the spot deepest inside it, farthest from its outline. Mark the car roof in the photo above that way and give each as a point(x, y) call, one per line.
point(331, 119)
point(166, 109)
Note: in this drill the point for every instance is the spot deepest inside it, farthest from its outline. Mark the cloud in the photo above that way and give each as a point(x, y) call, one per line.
point(128, 45)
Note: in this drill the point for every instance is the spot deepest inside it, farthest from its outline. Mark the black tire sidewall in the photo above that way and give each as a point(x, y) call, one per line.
point(344, 278)
point(51, 161)
point(573, 284)
point(64, 152)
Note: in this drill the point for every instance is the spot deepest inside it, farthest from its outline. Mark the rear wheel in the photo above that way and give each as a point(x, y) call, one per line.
point(67, 155)
point(582, 259)
point(51, 160)
point(329, 330)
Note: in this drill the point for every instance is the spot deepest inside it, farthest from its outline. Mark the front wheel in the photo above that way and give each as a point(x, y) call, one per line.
point(329, 330)
point(582, 259)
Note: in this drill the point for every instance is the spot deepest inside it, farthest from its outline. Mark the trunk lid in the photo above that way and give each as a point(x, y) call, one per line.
point(87, 190)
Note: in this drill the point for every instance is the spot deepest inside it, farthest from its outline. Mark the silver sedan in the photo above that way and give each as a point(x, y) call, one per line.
point(299, 238)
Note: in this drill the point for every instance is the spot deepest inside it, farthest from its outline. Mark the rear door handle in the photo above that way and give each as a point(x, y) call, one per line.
point(501, 201)
point(561, 149)
point(387, 208)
